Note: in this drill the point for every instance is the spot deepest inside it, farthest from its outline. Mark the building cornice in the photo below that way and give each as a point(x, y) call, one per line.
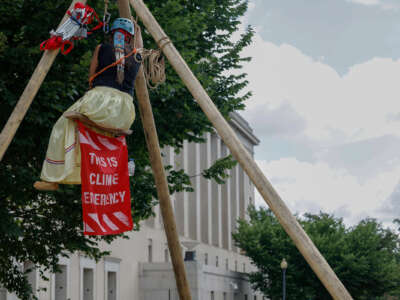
point(243, 127)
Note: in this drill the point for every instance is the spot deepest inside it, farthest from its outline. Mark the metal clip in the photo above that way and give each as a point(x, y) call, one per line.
point(106, 22)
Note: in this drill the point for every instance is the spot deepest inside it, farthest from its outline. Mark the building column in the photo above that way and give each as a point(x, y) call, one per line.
point(237, 199)
point(185, 194)
point(242, 200)
point(226, 206)
point(209, 192)
point(219, 199)
point(198, 193)
point(247, 195)
point(181, 202)
point(194, 197)
point(216, 195)
point(205, 186)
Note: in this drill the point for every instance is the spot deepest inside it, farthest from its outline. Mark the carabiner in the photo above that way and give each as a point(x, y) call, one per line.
point(106, 22)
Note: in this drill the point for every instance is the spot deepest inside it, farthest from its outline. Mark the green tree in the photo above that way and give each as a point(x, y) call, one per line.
point(365, 257)
point(38, 227)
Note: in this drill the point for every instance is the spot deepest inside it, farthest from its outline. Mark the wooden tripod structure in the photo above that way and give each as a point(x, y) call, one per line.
point(271, 197)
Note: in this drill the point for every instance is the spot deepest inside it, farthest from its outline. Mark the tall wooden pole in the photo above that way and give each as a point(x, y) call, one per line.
point(25, 101)
point(146, 114)
point(285, 217)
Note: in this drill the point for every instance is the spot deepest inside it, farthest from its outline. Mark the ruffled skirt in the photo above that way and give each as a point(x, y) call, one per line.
point(105, 106)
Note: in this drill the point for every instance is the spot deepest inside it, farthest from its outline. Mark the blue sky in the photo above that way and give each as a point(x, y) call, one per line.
point(338, 32)
point(325, 76)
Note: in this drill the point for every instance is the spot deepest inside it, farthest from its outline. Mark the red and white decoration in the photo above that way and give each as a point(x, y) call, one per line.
point(74, 28)
point(106, 199)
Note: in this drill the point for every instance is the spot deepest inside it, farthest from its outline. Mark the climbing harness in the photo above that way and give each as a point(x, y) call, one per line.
point(110, 66)
point(75, 28)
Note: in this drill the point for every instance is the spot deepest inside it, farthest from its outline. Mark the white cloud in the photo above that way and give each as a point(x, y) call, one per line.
point(251, 6)
point(350, 123)
point(357, 106)
point(366, 2)
point(311, 187)
point(384, 4)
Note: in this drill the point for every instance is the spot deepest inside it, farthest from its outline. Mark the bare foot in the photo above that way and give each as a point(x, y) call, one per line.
point(45, 186)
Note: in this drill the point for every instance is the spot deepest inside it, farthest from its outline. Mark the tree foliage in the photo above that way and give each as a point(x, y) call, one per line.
point(38, 227)
point(365, 257)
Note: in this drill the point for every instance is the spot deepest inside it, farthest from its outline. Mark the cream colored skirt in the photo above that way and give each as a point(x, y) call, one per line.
point(105, 106)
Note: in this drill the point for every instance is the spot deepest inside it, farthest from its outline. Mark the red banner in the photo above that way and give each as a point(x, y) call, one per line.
point(106, 199)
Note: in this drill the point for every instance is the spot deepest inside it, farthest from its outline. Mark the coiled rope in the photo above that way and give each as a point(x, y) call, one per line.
point(153, 67)
point(153, 63)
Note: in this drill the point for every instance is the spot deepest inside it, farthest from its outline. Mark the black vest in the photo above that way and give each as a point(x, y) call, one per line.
point(108, 78)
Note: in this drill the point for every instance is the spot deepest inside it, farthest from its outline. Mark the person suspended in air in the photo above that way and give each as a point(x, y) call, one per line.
point(108, 104)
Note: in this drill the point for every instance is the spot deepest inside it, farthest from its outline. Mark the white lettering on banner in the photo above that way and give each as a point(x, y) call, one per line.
point(112, 161)
point(103, 179)
point(104, 199)
point(102, 161)
point(122, 195)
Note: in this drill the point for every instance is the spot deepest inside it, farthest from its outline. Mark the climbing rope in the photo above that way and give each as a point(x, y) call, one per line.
point(153, 63)
point(153, 67)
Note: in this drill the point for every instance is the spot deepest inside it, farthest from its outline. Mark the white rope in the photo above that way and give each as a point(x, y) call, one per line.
point(153, 67)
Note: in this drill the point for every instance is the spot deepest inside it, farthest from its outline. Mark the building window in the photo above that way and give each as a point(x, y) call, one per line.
point(255, 297)
point(166, 255)
point(60, 285)
point(244, 267)
point(87, 269)
point(88, 284)
point(216, 261)
point(150, 251)
point(206, 258)
point(245, 297)
point(111, 285)
point(235, 265)
point(32, 276)
point(225, 298)
point(3, 294)
point(111, 270)
point(212, 295)
point(227, 264)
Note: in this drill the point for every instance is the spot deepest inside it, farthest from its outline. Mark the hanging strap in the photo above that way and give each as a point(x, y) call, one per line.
point(106, 17)
point(110, 66)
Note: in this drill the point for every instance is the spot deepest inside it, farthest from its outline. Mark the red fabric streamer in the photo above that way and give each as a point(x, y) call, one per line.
point(56, 42)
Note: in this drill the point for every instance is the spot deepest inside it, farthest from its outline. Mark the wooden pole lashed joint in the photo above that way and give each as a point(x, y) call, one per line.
point(163, 42)
point(153, 146)
point(271, 197)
